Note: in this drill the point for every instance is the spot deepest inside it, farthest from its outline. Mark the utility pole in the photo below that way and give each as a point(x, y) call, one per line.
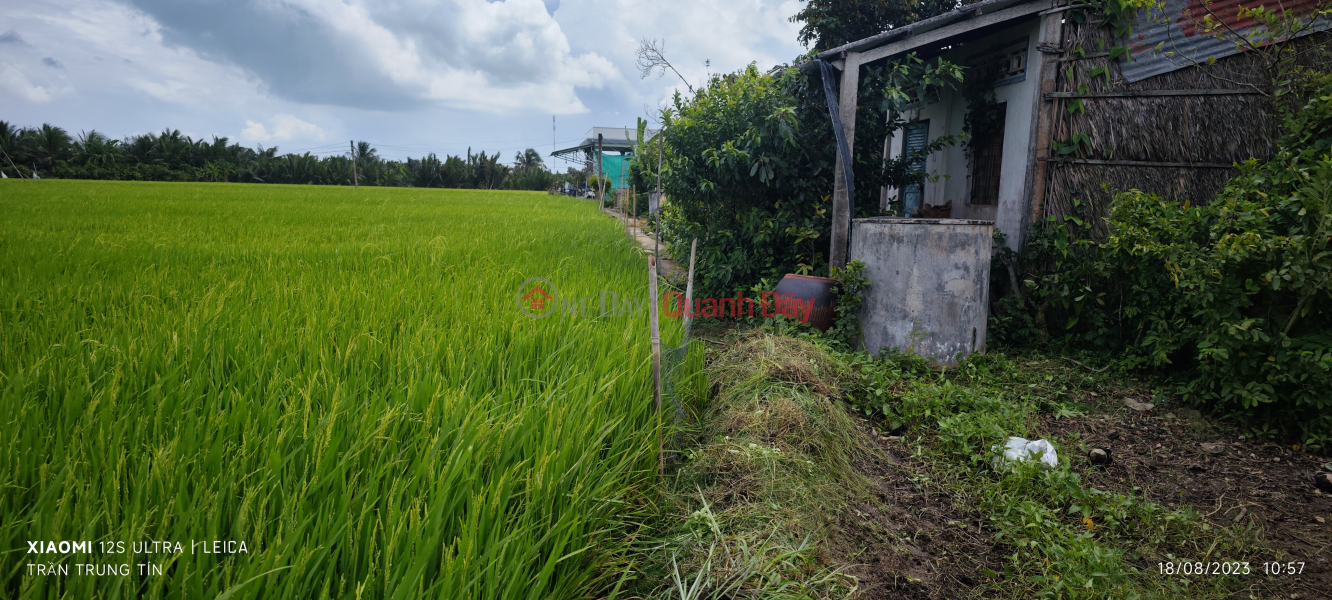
point(600, 176)
point(355, 182)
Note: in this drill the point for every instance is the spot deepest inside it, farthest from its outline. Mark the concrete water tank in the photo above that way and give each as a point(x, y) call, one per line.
point(929, 285)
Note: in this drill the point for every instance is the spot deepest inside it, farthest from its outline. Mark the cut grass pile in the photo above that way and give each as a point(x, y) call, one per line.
point(764, 470)
point(341, 379)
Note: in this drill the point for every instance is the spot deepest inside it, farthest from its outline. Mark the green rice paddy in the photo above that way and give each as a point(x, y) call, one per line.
point(341, 379)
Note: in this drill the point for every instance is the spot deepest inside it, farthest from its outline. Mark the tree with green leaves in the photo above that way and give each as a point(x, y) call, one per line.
point(47, 145)
point(827, 24)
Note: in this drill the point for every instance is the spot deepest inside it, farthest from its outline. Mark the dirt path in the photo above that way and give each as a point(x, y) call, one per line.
point(670, 269)
point(1172, 456)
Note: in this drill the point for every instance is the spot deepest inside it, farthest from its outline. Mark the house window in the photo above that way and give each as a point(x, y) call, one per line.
point(987, 162)
point(917, 135)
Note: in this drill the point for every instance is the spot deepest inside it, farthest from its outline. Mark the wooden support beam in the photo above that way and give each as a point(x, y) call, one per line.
point(1155, 93)
point(1052, 30)
point(846, 111)
point(911, 42)
point(1085, 57)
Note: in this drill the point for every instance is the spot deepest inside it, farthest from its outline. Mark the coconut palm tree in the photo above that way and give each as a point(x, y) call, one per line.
point(172, 148)
point(365, 154)
point(528, 159)
point(96, 150)
point(9, 144)
point(47, 145)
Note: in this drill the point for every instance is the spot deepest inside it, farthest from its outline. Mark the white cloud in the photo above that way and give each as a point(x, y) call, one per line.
point(88, 32)
point(497, 57)
point(729, 34)
point(14, 83)
point(286, 128)
point(421, 75)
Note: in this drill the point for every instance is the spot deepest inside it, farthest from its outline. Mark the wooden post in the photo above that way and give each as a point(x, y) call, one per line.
point(656, 359)
point(601, 191)
point(634, 223)
point(355, 183)
point(846, 110)
point(689, 289)
point(656, 236)
point(1046, 109)
point(624, 211)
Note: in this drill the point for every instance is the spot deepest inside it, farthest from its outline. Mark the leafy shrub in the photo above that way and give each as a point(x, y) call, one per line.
point(848, 285)
point(749, 164)
point(1232, 300)
point(736, 184)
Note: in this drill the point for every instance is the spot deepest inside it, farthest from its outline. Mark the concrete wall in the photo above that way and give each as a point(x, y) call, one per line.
point(929, 284)
point(947, 118)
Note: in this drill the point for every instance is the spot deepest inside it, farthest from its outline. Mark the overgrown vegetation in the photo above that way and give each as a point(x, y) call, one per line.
point(750, 156)
point(49, 151)
point(1058, 537)
point(772, 468)
point(749, 166)
point(1228, 299)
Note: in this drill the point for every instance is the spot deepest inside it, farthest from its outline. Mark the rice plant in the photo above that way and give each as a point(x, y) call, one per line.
point(341, 379)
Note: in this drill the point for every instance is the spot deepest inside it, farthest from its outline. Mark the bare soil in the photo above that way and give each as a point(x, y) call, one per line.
point(1175, 457)
point(917, 543)
point(1172, 458)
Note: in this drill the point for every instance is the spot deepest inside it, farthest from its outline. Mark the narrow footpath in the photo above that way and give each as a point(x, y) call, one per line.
point(670, 269)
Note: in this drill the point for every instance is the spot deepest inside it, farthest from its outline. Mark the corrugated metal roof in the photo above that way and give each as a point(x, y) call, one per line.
point(613, 139)
point(1176, 26)
point(962, 13)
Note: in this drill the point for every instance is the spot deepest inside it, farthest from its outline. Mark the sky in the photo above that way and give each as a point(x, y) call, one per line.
point(409, 76)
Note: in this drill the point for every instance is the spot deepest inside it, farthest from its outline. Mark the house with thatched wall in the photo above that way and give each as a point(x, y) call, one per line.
point(1168, 108)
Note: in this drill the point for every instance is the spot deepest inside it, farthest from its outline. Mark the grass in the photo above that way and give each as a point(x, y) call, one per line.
point(781, 491)
point(765, 467)
point(339, 378)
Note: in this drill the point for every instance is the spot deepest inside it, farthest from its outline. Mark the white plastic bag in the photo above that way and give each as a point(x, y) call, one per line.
point(1021, 449)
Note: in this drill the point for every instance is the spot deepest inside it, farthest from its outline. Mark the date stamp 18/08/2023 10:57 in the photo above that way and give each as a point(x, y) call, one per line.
point(1200, 568)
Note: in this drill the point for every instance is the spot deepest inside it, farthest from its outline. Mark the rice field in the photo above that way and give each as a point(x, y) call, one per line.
point(339, 379)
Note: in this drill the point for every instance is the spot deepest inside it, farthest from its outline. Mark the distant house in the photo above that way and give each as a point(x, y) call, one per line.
point(1162, 119)
point(614, 145)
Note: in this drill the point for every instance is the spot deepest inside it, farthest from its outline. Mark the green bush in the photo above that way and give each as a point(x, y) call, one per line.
point(736, 184)
point(1231, 300)
point(749, 165)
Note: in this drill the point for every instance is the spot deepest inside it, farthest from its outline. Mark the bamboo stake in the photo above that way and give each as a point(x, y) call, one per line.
point(634, 223)
point(689, 290)
point(656, 235)
point(656, 360)
point(624, 210)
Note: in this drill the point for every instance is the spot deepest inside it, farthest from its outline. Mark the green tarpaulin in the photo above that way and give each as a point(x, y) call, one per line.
point(611, 167)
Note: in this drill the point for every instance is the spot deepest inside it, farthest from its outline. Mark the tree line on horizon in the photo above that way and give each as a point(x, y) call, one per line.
point(50, 151)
